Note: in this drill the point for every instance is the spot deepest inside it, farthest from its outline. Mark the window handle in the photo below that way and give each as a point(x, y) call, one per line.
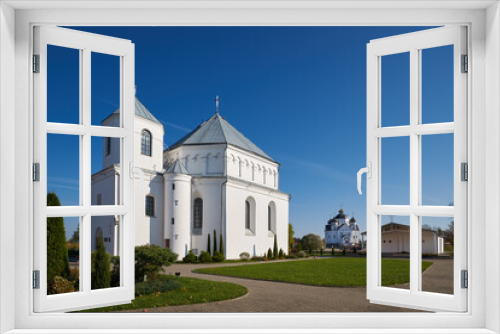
point(136, 170)
point(368, 171)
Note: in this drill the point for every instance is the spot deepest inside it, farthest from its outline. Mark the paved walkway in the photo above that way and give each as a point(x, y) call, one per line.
point(266, 296)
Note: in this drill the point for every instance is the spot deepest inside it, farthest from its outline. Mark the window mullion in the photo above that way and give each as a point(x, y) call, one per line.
point(414, 169)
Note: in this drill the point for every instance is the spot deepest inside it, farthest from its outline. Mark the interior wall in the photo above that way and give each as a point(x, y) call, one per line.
point(7, 169)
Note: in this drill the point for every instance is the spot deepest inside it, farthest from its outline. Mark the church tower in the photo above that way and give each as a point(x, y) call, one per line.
point(177, 229)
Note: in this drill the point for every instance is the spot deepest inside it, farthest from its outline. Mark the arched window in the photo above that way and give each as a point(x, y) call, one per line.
point(247, 215)
point(146, 142)
point(150, 206)
point(269, 218)
point(198, 216)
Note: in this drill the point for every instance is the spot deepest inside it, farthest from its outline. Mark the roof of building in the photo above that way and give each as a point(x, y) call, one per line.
point(218, 131)
point(140, 110)
point(177, 168)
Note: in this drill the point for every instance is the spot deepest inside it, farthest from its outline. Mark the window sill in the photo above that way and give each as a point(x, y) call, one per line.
point(249, 233)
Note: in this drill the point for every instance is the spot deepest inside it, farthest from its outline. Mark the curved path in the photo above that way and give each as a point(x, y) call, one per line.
point(266, 296)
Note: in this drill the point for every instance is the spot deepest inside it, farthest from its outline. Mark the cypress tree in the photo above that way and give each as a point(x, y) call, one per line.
point(275, 249)
point(208, 244)
point(57, 252)
point(215, 241)
point(101, 273)
point(221, 246)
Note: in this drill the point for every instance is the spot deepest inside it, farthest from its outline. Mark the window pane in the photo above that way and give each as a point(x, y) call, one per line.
point(63, 85)
point(63, 168)
point(437, 169)
point(105, 89)
point(395, 251)
point(105, 247)
point(63, 253)
point(105, 171)
point(395, 90)
point(437, 85)
point(437, 254)
point(395, 171)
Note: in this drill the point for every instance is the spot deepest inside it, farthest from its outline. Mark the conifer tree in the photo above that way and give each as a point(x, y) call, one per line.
point(221, 246)
point(275, 249)
point(101, 272)
point(208, 244)
point(57, 252)
point(215, 241)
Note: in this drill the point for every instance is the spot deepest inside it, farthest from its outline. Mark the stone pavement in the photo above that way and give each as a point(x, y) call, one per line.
point(266, 296)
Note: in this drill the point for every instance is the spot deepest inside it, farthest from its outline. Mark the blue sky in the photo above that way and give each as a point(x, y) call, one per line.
point(299, 93)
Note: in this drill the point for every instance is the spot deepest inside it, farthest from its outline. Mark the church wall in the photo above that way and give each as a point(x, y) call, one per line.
point(155, 161)
point(236, 239)
point(251, 168)
point(155, 188)
point(209, 191)
point(114, 156)
point(103, 184)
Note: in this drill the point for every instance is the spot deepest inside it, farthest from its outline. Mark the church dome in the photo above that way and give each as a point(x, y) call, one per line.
point(340, 215)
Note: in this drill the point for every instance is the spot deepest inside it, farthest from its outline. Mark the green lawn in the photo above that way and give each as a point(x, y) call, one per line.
point(192, 291)
point(337, 271)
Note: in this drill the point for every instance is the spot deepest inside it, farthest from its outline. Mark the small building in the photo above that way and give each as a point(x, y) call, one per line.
point(342, 231)
point(396, 240)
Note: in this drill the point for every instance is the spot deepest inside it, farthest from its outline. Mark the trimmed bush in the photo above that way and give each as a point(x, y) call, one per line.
point(269, 254)
point(257, 258)
point(74, 277)
point(281, 253)
point(321, 252)
point(275, 249)
point(244, 256)
point(218, 257)
point(101, 273)
point(57, 252)
point(221, 246)
point(333, 251)
point(190, 257)
point(205, 257)
point(354, 250)
point(115, 271)
point(215, 241)
point(160, 284)
point(209, 249)
point(301, 254)
point(343, 252)
point(150, 260)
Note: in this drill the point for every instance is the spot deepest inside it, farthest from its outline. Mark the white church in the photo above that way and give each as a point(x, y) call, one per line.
point(341, 231)
point(214, 178)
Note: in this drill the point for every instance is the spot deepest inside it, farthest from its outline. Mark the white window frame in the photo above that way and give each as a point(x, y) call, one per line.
point(483, 20)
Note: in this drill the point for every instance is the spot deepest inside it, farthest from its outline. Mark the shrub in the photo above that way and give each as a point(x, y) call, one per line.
point(281, 253)
point(115, 271)
point(257, 258)
point(275, 248)
point(321, 252)
point(269, 253)
point(205, 257)
point(354, 250)
point(209, 249)
point(333, 251)
point(190, 257)
point(301, 254)
point(215, 241)
point(221, 246)
point(244, 256)
point(150, 260)
point(343, 251)
point(218, 257)
point(57, 252)
point(74, 276)
point(59, 285)
point(101, 260)
point(160, 284)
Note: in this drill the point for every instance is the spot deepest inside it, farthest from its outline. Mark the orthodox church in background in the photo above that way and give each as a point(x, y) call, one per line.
point(342, 231)
point(214, 178)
